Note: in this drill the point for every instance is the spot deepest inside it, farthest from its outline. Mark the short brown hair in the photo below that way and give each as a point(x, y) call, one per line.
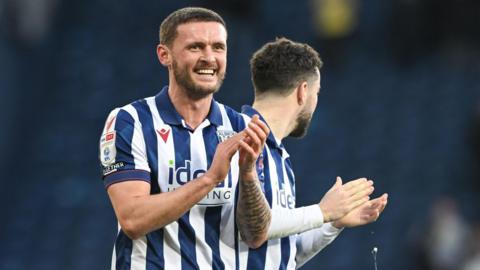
point(168, 28)
point(281, 64)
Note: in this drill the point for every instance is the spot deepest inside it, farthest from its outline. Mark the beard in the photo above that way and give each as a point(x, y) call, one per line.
point(193, 90)
point(303, 123)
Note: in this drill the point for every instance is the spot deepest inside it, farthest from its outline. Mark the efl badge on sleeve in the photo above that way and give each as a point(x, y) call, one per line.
point(108, 150)
point(223, 134)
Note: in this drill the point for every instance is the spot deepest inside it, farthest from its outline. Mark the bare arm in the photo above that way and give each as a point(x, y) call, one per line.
point(139, 213)
point(253, 212)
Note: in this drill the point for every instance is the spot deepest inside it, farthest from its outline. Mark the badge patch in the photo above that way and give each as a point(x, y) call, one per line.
point(108, 150)
point(223, 134)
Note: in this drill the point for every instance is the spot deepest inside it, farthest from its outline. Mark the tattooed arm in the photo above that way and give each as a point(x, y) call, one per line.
point(253, 212)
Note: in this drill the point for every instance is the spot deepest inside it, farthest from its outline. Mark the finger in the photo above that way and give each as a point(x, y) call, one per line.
point(366, 191)
point(255, 140)
point(354, 184)
point(385, 202)
point(359, 202)
point(245, 147)
point(230, 149)
point(259, 131)
point(338, 183)
point(262, 125)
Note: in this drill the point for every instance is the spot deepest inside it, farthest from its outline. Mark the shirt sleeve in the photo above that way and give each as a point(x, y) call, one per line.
point(122, 148)
point(311, 242)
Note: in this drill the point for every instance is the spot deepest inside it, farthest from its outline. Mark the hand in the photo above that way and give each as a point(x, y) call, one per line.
point(341, 199)
point(366, 213)
point(252, 145)
point(218, 171)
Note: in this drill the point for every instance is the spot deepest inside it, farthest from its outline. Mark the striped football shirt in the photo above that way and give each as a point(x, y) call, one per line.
point(148, 140)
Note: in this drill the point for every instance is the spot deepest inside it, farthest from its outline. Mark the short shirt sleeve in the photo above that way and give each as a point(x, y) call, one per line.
point(122, 148)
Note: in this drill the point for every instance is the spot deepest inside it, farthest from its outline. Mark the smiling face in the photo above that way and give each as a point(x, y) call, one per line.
point(199, 58)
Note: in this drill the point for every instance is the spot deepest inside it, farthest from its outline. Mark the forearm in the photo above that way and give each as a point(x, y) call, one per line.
point(286, 222)
point(142, 214)
point(253, 211)
point(311, 242)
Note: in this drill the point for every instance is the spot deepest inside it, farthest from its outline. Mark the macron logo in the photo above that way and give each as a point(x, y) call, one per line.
point(164, 134)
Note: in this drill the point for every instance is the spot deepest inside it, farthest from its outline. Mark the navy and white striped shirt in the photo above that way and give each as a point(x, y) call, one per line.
point(278, 184)
point(148, 140)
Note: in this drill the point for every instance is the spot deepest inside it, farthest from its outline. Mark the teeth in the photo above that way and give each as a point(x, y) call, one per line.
point(206, 71)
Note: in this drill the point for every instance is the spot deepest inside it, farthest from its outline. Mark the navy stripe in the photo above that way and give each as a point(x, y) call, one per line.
point(124, 126)
point(186, 233)
point(236, 119)
point(154, 258)
point(213, 215)
point(123, 251)
point(268, 180)
point(277, 157)
point(285, 244)
point(256, 257)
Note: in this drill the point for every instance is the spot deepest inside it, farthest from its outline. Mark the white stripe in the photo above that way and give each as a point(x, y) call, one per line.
point(274, 254)
point(293, 252)
point(243, 254)
point(139, 151)
point(166, 153)
point(139, 254)
point(289, 190)
point(171, 247)
point(197, 213)
point(227, 236)
point(114, 255)
point(273, 259)
point(110, 117)
point(227, 225)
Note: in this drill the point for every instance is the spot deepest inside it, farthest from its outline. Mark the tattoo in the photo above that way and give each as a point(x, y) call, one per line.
point(253, 212)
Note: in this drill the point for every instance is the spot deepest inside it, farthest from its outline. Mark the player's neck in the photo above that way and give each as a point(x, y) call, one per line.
point(279, 115)
point(193, 111)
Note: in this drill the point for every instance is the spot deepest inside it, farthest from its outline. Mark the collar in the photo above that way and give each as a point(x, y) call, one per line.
point(271, 140)
point(170, 115)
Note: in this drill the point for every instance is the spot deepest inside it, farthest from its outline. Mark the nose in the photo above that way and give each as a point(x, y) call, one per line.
point(208, 55)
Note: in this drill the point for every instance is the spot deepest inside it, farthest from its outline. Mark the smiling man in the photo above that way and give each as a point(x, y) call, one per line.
point(169, 161)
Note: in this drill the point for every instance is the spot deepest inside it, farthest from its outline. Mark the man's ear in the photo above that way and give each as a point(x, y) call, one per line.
point(302, 91)
point(163, 54)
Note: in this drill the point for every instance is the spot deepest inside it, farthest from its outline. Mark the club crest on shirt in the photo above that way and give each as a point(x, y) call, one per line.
point(223, 134)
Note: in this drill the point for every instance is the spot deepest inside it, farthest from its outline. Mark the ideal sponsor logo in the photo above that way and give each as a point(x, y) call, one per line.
point(177, 177)
point(285, 200)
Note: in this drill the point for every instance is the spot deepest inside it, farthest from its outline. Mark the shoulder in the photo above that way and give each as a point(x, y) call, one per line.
point(235, 119)
point(126, 115)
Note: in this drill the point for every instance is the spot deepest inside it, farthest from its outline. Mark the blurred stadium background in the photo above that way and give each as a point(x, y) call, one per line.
point(400, 103)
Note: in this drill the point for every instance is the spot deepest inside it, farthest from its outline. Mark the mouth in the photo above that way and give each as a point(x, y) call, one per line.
point(206, 72)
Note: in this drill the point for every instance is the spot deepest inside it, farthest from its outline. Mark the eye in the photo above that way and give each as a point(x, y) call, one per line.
point(219, 47)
